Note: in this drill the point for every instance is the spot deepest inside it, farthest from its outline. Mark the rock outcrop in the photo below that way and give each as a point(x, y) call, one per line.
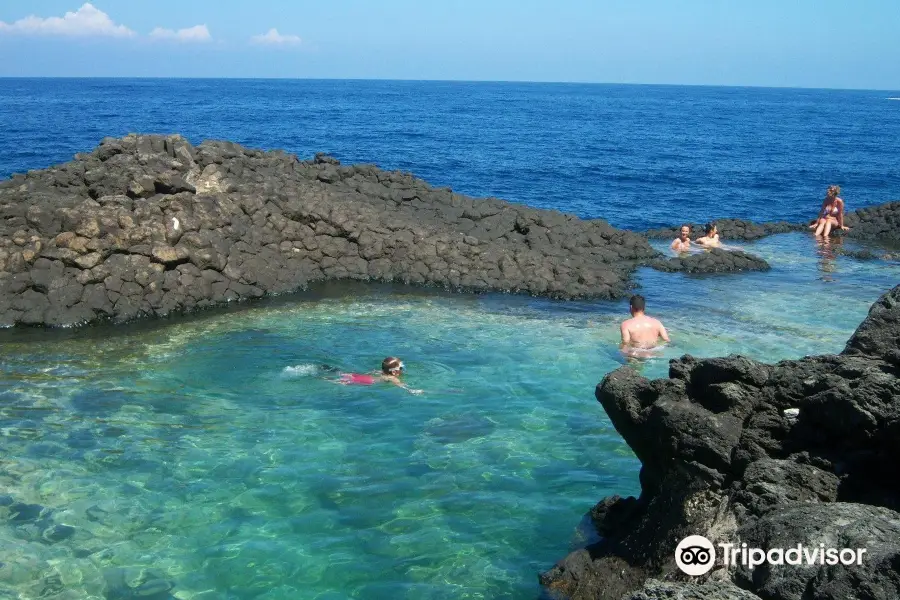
point(880, 222)
point(875, 224)
point(800, 452)
point(150, 226)
point(714, 260)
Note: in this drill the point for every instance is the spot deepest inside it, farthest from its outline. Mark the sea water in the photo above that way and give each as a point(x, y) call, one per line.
point(219, 454)
point(216, 457)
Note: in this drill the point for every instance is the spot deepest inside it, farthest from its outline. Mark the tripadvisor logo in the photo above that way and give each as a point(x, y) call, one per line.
point(696, 555)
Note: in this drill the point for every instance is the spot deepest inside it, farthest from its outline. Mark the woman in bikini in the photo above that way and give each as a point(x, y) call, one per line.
point(831, 214)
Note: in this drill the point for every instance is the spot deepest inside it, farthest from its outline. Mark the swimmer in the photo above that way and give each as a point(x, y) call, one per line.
point(640, 333)
point(711, 238)
point(683, 242)
point(391, 370)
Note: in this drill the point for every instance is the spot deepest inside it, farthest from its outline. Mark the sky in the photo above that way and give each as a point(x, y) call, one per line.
point(777, 43)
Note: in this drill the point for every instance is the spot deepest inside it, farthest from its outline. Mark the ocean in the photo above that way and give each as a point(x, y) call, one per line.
point(213, 457)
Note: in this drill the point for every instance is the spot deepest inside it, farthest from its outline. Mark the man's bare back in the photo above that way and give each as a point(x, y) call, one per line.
point(641, 333)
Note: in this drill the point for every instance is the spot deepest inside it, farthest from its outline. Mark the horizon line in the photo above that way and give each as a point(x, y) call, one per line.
point(410, 80)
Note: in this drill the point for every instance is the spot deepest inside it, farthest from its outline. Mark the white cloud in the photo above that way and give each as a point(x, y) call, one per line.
point(85, 22)
point(273, 38)
point(197, 33)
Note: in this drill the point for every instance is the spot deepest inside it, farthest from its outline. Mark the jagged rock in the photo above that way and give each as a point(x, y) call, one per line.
point(880, 222)
point(740, 451)
point(837, 525)
point(268, 224)
point(712, 590)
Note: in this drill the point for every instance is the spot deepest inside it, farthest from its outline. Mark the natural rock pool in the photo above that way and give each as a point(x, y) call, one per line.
point(211, 458)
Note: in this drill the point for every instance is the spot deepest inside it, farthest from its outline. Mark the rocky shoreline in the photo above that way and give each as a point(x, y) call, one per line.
point(738, 451)
point(876, 223)
point(150, 226)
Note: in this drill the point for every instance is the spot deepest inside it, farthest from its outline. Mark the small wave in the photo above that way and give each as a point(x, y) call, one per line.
point(893, 98)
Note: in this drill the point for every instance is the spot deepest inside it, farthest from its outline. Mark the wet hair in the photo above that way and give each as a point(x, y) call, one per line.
point(833, 191)
point(683, 226)
point(710, 227)
point(388, 364)
point(638, 303)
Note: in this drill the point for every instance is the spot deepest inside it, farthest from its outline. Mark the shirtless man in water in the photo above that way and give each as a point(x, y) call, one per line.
point(640, 333)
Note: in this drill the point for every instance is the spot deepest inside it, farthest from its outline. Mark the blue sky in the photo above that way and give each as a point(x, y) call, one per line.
point(793, 43)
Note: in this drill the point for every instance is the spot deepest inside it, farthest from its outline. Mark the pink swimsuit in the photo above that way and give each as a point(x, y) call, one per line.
point(357, 379)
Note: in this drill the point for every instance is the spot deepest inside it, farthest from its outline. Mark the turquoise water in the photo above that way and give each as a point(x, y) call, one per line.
point(212, 458)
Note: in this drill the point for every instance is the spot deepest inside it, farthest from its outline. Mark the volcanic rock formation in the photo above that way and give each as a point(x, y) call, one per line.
point(800, 452)
point(152, 226)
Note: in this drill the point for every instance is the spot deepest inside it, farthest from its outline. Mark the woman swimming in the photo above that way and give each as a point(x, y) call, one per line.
point(831, 214)
point(391, 370)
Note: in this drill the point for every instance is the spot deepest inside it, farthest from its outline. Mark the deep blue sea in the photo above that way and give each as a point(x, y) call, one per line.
point(215, 458)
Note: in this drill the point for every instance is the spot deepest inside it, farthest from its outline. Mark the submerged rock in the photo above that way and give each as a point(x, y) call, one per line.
point(772, 455)
point(452, 429)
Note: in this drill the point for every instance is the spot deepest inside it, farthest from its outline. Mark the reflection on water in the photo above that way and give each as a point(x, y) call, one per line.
point(212, 458)
point(827, 249)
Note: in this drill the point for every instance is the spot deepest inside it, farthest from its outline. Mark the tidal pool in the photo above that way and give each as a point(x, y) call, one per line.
point(215, 458)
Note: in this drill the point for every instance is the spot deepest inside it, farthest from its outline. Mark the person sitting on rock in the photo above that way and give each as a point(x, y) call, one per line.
point(391, 370)
point(640, 333)
point(683, 242)
point(831, 214)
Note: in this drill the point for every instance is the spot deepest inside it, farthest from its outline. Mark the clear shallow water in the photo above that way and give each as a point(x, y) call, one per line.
point(215, 454)
point(639, 156)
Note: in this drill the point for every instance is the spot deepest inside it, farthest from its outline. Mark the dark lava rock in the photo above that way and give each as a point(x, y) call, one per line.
point(803, 451)
point(833, 525)
point(153, 226)
point(729, 229)
point(711, 590)
point(880, 222)
point(714, 260)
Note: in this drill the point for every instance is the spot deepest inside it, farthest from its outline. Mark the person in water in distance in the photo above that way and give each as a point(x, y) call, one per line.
point(711, 237)
point(831, 214)
point(683, 242)
point(640, 333)
point(391, 370)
